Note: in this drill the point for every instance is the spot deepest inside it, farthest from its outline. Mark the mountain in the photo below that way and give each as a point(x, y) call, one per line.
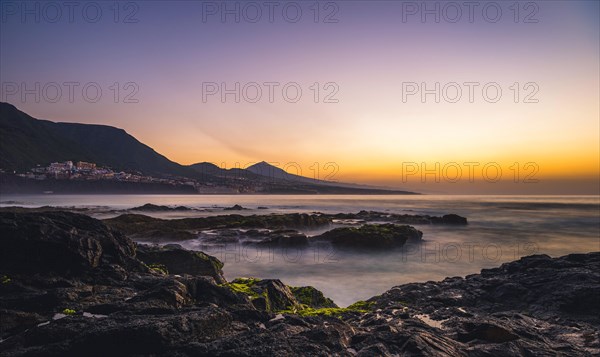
point(261, 171)
point(26, 142)
point(267, 178)
point(269, 171)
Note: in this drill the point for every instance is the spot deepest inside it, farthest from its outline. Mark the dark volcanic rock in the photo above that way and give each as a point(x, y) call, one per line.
point(149, 207)
point(285, 238)
point(101, 300)
point(163, 235)
point(234, 208)
point(60, 242)
point(266, 294)
point(534, 306)
point(310, 296)
point(139, 224)
point(182, 261)
point(371, 236)
point(452, 219)
point(374, 216)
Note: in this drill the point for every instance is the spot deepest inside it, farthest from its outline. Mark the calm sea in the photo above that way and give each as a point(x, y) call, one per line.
point(501, 229)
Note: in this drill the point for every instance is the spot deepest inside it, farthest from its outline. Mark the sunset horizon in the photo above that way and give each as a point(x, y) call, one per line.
point(475, 175)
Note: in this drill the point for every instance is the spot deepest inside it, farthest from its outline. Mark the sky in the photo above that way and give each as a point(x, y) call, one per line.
point(438, 97)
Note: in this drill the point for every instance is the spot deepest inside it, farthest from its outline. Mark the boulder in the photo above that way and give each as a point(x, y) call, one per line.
point(372, 236)
point(178, 260)
point(267, 294)
point(311, 297)
point(374, 216)
point(285, 238)
point(149, 207)
point(234, 208)
point(139, 224)
point(61, 242)
point(450, 219)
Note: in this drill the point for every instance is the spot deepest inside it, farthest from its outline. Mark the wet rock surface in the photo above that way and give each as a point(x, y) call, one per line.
point(371, 236)
point(234, 208)
point(285, 238)
point(177, 260)
point(141, 225)
point(71, 286)
point(534, 306)
point(284, 227)
point(374, 216)
point(34, 242)
point(149, 207)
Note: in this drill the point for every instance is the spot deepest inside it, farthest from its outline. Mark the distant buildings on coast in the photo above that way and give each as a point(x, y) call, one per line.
point(89, 171)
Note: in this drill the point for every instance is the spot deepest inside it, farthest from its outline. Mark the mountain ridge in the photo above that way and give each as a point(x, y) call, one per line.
point(26, 142)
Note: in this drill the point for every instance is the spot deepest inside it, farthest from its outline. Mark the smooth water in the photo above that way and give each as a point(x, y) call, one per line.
point(501, 228)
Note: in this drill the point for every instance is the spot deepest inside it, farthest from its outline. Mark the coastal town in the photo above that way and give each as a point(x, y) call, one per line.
point(89, 171)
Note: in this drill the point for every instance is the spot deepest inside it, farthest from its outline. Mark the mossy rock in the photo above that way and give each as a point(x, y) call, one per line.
point(268, 294)
point(359, 307)
point(160, 268)
point(371, 236)
point(312, 297)
point(244, 286)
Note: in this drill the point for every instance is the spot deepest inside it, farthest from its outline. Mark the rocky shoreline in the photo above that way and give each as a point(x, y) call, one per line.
point(71, 285)
point(365, 229)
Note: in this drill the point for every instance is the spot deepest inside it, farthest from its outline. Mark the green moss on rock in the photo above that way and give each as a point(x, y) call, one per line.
point(244, 286)
point(161, 268)
point(311, 297)
point(268, 294)
point(373, 236)
point(69, 312)
point(357, 307)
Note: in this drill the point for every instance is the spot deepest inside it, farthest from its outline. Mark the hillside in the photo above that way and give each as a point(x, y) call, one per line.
point(27, 142)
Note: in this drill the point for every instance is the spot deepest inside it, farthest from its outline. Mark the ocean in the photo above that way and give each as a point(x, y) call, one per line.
point(500, 229)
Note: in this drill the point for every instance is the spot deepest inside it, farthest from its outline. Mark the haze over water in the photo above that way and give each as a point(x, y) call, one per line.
point(501, 229)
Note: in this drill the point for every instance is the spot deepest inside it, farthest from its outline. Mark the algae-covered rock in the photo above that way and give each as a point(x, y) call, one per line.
point(267, 294)
point(311, 297)
point(373, 236)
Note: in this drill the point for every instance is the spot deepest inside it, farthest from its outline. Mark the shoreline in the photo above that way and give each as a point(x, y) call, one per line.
point(90, 286)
